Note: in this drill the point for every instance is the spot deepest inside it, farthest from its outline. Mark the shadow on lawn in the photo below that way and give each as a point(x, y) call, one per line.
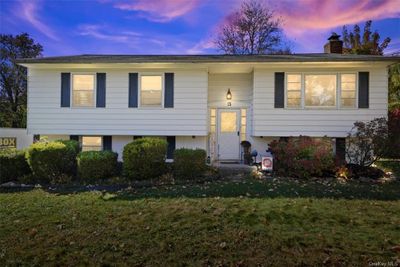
point(277, 188)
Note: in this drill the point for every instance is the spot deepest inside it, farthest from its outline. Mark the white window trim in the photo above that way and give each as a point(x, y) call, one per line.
point(140, 90)
point(338, 91)
point(94, 89)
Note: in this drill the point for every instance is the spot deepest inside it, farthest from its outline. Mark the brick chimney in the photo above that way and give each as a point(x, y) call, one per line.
point(334, 44)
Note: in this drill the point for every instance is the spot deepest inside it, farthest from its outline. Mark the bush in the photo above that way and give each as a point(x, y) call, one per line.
point(303, 157)
point(95, 165)
point(368, 142)
point(189, 163)
point(144, 158)
point(52, 161)
point(13, 165)
point(357, 171)
point(394, 134)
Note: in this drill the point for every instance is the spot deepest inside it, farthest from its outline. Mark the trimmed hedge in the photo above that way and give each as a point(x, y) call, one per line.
point(52, 162)
point(13, 165)
point(95, 165)
point(189, 163)
point(144, 158)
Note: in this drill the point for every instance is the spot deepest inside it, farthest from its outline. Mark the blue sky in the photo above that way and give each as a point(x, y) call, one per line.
point(66, 27)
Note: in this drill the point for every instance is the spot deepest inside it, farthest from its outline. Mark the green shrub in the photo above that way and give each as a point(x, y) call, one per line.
point(144, 158)
point(50, 162)
point(13, 165)
point(95, 165)
point(189, 163)
point(303, 157)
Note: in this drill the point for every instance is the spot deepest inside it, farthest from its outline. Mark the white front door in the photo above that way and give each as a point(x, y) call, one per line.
point(228, 134)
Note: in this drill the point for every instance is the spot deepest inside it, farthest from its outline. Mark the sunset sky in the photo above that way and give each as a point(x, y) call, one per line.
point(66, 27)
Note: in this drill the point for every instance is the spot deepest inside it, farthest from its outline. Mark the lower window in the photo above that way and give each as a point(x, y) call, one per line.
point(92, 143)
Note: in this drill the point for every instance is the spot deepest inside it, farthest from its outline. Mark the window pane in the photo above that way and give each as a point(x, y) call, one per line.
point(243, 112)
point(294, 94)
point(348, 94)
point(294, 86)
point(151, 90)
point(151, 98)
point(83, 98)
point(83, 82)
point(90, 143)
point(348, 86)
point(213, 112)
point(293, 102)
point(348, 102)
point(212, 120)
point(320, 90)
point(348, 78)
point(228, 122)
point(294, 78)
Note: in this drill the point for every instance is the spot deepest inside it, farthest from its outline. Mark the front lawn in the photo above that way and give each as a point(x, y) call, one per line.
point(249, 223)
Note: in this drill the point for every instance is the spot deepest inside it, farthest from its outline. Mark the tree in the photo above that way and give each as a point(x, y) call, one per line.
point(251, 30)
point(13, 84)
point(367, 44)
point(394, 87)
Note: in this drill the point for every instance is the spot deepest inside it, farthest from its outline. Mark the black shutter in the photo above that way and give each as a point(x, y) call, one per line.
point(101, 90)
point(133, 90)
point(107, 142)
point(171, 147)
point(74, 137)
point(279, 90)
point(341, 150)
point(363, 89)
point(169, 90)
point(65, 89)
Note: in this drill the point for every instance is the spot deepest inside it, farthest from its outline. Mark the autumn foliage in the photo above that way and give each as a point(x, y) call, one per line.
point(303, 157)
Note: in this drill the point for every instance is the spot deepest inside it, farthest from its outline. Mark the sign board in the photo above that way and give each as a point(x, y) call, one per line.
point(8, 142)
point(267, 163)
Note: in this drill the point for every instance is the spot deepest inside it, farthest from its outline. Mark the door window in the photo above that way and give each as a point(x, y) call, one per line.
point(228, 122)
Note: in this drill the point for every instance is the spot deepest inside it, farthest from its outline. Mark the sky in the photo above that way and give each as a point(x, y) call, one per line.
point(70, 27)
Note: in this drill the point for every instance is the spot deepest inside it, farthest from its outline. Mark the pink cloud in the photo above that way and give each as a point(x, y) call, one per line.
point(159, 10)
point(29, 12)
point(316, 15)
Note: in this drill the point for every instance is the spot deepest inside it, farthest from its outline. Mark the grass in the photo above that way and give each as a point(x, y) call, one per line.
point(247, 223)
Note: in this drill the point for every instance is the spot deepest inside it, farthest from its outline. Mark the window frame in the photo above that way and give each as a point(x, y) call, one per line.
point(338, 90)
point(301, 90)
point(140, 105)
point(94, 74)
point(101, 142)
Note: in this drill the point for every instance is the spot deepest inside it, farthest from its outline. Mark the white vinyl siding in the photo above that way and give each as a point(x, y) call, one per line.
point(334, 122)
point(188, 117)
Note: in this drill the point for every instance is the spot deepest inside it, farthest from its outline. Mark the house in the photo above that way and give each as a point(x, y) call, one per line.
point(211, 102)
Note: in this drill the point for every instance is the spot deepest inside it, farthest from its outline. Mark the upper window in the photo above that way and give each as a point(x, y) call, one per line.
point(320, 90)
point(83, 90)
point(348, 90)
point(92, 143)
point(150, 90)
